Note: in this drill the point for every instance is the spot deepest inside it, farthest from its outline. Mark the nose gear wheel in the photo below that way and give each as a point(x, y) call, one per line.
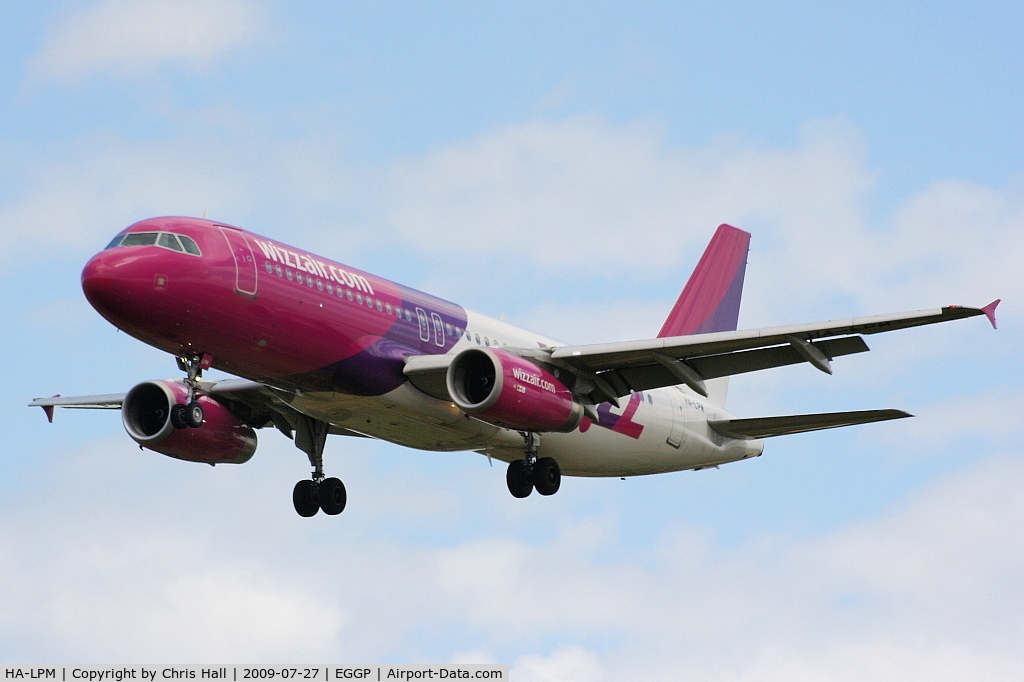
point(191, 413)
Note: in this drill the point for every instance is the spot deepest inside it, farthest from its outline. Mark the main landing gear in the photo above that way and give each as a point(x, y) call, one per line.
point(318, 493)
point(542, 473)
point(190, 414)
point(309, 496)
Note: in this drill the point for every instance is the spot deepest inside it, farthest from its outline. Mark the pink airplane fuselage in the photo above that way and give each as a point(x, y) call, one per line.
point(334, 340)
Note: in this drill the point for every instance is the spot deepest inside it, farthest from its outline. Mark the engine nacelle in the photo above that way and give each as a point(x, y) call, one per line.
point(222, 439)
point(507, 390)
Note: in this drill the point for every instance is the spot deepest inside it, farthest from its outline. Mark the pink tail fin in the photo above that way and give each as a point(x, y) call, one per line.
point(710, 301)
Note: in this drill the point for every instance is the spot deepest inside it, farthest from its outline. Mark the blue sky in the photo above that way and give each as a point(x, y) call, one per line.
point(563, 165)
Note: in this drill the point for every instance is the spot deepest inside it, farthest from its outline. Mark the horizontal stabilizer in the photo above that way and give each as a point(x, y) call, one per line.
point(766, 427)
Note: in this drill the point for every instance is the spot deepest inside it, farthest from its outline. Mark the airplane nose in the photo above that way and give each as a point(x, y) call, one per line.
point(104, 285)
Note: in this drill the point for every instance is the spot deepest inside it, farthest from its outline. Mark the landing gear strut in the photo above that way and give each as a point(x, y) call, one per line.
point(191, 413)
point(524, 475)
point(318, 493)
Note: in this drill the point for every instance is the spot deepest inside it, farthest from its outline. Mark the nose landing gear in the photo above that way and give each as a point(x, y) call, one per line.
point(191, 413)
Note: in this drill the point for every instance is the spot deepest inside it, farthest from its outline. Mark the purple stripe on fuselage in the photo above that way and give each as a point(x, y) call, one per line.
point(710, 301)
point(376, 369)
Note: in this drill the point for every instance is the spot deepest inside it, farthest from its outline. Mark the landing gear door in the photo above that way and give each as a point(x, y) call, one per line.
point(675, 436)
point(245, 263)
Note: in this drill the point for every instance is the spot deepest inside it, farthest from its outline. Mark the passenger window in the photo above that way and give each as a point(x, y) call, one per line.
point(309, 281)
point(388, 306)
point(269, 267)
point(280, 272)
point(139, 239)
point(348, 294)
point(359, 298)
point(330, 289)
point(380, 306)
point(320, 285)
point(189, 245)
point(478, 339)
point(288, 274)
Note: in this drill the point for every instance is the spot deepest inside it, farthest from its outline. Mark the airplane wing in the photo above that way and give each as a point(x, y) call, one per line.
point(767, 427)
point(107, 401)
point(618, 368)
point(608, 371)
point(254, 403)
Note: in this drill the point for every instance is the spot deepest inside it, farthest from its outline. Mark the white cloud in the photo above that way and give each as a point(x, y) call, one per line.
point(567, 664)
point(577, 192)
point(917, 590)
point(582, 199)
point(132, 37)
point(79, 198)
point(546, 204)
point(117, 554)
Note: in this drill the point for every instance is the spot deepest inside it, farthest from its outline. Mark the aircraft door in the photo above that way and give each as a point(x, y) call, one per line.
point(421, 316)
point(245, 262)
point(675, 436)
point(438, 329)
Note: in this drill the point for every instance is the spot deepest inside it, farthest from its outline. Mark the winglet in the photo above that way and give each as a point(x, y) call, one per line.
point(48, 409)
point(990, 312)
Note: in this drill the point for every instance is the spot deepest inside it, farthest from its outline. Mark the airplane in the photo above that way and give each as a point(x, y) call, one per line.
point(319, 348)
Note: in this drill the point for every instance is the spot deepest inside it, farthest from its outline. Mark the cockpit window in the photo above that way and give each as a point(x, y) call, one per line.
point(167, 240)
point(139, 239)
point(190, 246)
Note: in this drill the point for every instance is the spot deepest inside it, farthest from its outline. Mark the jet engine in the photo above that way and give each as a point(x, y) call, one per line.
point(221, 439)
point(507, 390)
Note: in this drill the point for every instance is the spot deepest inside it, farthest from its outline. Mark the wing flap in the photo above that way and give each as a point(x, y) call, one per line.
point(769, 427)
point(654, 375)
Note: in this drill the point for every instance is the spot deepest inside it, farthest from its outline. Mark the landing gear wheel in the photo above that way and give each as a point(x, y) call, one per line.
point(194, 414)
point(304, 497)
point(547, 476)
point(178, 417)
point(518, 479)
point(332, 496)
